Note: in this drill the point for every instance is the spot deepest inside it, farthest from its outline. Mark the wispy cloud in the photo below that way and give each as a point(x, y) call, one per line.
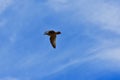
point(111, 56)
point(9, 78)
point(59, 5)
point(106, 58)
point(87, 48)
point(103, 14)
point(4, 4)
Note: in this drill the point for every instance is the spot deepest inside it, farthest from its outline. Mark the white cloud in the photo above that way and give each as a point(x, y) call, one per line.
point(111, 56)
point(104, 14)
point(109, 59)
point(4, 4)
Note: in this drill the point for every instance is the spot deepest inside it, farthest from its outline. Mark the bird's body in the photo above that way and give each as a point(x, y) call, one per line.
point(52, 35)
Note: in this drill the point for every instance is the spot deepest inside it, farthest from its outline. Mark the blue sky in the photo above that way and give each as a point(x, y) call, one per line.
point(87, 49)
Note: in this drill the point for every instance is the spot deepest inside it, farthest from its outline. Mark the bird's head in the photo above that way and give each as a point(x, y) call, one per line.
point(49, 32)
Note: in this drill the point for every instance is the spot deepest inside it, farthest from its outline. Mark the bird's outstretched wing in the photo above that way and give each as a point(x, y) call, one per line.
point(53, 41)
point(58, 32)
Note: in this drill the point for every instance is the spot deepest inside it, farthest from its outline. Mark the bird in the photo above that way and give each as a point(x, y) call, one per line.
point(52, 35)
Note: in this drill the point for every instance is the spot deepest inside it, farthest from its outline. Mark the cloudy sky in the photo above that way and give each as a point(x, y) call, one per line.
point(87, 49)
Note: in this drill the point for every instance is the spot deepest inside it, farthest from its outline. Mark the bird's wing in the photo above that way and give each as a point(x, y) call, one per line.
point(53, 41)
point(58, 32)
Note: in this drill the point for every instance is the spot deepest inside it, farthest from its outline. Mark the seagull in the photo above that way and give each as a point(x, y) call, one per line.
point(52, 35)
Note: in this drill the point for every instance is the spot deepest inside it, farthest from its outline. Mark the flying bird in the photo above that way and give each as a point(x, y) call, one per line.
point(52, 35)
